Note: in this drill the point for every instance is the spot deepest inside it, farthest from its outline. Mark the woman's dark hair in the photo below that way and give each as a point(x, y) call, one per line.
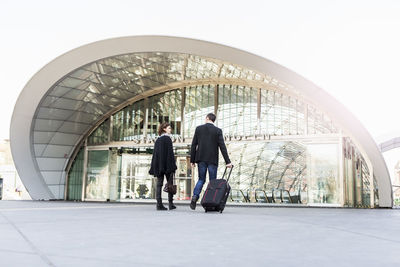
point(162, 127)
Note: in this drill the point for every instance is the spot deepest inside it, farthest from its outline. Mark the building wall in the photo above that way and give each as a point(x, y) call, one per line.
point(13, 188)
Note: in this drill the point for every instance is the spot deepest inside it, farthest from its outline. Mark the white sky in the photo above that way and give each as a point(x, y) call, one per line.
point(349, 48)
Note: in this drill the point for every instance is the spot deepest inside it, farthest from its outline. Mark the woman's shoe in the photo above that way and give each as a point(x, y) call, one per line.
point(171, 206)
point(161, 207)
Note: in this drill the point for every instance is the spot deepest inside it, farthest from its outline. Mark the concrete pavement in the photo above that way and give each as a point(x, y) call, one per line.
point(38, 233)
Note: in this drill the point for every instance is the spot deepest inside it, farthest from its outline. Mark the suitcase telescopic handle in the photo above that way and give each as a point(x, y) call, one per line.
point(229, 175)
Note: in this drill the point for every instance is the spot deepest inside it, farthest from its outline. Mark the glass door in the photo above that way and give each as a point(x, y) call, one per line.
point(323, 174)
point(183, 178)
point(136, 182)
point(97, 182)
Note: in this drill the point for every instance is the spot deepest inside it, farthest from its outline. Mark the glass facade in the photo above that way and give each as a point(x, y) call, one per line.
point(97, 178)
point(360, 189)
point(284, 149)
point(199, 100)
point(323, 173)
point(135, 181)
point(268, 172)
point(281, 114)
point(237, 110)
point(129, 122)
point(74, 191)
point(165, 107)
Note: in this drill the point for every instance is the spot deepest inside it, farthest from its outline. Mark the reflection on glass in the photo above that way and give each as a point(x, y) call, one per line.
point(97, 182)
point(115, 174)
point(237, 110)
point(269, 172)
point(101, 134)
point(322, 180)
point(136, 183)
point(199, 102)
point(183, 178)
point(237, 114)
point(281, 114)
point(165, 107)
point(357, 180)
point(75, 178)
point(318, 122)
point(128, 124)
point(366, 183)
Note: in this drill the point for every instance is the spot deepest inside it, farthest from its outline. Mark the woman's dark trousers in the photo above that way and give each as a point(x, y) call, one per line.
point(160, 180)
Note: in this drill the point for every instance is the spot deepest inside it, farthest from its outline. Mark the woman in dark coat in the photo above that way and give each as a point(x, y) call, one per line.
point(163, 163)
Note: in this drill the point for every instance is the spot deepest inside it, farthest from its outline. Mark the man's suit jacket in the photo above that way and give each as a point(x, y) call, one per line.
point(206, 141)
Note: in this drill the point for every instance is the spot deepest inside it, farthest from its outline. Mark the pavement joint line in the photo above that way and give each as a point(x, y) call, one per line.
point(364, 234)
point(345, 230)
point(105, 259)
point(17, 252)
point(66, 208)
point(35, 249)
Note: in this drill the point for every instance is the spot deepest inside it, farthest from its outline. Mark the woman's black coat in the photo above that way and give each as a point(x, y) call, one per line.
point(163, 160)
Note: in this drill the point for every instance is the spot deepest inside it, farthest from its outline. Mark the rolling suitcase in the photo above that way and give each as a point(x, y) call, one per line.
point(216, 194)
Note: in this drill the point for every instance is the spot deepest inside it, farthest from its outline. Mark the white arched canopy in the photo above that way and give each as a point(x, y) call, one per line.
point(71, 94)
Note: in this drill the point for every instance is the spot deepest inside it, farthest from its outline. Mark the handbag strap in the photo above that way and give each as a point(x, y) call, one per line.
point(173, 178)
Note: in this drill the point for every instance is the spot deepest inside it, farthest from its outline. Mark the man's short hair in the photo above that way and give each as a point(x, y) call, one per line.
point(211, 117)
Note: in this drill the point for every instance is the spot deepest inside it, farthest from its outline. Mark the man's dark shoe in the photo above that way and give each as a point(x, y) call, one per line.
point(161, 207)
point(193, 202)
point(171, 206)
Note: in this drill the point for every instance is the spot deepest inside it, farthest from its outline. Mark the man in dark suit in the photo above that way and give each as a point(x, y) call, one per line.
point(206, 141)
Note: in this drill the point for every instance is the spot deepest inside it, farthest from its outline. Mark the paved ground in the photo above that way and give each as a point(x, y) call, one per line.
point(95, 234)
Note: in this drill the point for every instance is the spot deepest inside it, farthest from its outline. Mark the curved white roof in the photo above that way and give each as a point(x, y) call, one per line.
point(61, 102)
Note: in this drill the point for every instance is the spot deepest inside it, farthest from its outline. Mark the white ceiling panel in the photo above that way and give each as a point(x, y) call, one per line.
point(52, 177)
point(64, 139)
point(51, 164)
point(57, 151)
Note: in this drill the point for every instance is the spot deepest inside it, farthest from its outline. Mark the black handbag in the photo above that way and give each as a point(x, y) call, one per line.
point(171, 188)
